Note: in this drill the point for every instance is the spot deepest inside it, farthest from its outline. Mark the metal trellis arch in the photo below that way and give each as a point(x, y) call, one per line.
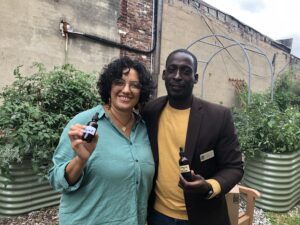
point(244, 50)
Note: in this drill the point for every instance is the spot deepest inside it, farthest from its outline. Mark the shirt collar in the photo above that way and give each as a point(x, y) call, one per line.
point(137, 115)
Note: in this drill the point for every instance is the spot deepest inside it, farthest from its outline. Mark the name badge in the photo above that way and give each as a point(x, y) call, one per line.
point(207, 155)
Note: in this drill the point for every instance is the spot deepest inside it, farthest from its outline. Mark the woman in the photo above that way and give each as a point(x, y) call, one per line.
point(108, 180)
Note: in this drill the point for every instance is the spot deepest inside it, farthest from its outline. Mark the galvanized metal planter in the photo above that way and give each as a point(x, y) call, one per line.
point(277, 177)
point(24, 192)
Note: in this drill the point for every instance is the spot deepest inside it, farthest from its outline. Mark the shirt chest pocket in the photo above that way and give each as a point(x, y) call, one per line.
point(144, 153)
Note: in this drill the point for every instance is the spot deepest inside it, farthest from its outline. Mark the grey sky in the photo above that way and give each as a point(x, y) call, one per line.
point(274, 18)
point(252, 5)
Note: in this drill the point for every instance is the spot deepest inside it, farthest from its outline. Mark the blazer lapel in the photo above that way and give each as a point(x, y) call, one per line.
point(156, 110)
point(194, 125)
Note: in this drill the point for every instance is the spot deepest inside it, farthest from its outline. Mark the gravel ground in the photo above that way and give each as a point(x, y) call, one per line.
point(259, 217)
point(49, 216)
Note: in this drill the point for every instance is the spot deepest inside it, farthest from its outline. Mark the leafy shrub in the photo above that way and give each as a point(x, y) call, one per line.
point(268, 126)
point(287, 91)
point(35, 110)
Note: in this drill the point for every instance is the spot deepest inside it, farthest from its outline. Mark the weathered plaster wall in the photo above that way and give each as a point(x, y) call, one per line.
point(30, 33)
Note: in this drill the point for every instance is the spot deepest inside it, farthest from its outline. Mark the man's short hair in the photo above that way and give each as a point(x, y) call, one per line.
point(195, 63)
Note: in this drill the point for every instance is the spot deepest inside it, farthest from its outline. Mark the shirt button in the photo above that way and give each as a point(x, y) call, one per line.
point(136, 160)
point(137, 182)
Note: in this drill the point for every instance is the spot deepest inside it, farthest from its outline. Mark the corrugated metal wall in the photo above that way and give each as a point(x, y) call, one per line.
point(277, 177)
point(24, 192)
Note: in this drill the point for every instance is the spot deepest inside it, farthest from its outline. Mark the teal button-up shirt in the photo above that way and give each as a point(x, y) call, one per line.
point(117, 179)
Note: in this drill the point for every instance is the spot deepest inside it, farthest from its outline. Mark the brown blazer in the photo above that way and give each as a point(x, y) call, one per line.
point(210, 127)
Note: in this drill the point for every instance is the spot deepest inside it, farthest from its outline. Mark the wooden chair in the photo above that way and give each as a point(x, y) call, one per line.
point(246, 218)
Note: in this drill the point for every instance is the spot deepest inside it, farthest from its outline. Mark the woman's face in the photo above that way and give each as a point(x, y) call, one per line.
point(125, 92)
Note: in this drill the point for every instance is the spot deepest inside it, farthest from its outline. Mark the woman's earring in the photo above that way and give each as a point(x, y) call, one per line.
point(137, 108)
point(109, 103)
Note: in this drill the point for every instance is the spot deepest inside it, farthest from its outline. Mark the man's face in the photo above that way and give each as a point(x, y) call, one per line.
point(179, 76)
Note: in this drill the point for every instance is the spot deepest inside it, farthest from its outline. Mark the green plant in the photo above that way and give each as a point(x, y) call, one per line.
point(268, 126)
point(35, 110)
point(287, 91)
point(290, 218)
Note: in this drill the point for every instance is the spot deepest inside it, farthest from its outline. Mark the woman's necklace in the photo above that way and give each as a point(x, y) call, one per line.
point(124, 126)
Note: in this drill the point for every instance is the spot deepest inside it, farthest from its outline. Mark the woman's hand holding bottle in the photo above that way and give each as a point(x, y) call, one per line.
point(82, 148)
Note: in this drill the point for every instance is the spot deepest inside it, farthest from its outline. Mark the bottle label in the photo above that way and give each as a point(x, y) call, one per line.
point(184, 169)
point(90, 130)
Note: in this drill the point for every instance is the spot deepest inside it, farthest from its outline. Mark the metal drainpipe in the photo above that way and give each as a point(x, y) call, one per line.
point(156, 54)
point(66, 28)
point(63, 30)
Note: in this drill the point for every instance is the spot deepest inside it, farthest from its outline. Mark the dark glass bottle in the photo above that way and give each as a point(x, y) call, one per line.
point(184, 165)
point(90, 130)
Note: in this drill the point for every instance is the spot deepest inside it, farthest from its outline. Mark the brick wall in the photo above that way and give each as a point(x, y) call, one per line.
point(135, 28)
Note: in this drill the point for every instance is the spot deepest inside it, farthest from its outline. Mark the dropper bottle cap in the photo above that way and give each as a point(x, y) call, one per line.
point(95, 117)
point(181, 151)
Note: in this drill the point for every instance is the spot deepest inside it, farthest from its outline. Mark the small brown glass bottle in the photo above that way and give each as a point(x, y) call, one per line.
point(90, 130)
point(184, 166)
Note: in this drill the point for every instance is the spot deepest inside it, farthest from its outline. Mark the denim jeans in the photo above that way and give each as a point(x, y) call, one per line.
point(157, 218)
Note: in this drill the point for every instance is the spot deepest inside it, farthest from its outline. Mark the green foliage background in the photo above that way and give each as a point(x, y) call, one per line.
point(35, 110)
point(270, 126)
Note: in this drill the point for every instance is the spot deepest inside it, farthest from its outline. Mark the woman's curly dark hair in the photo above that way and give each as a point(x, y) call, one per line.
point(114, 71)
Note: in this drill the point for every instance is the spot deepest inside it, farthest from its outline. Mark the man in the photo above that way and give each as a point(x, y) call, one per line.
point(206, 132)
